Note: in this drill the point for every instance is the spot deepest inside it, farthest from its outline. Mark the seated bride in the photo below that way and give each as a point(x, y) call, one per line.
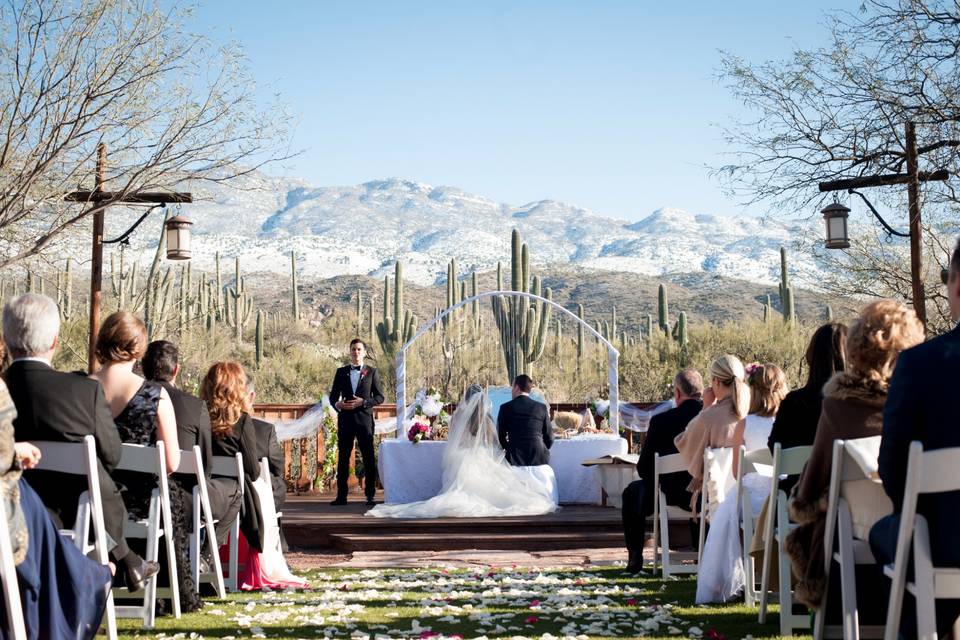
point(477, 479)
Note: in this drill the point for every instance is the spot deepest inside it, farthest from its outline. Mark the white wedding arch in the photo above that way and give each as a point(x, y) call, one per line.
point(613, 356)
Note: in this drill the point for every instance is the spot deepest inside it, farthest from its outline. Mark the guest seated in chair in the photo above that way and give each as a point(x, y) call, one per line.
point(161, 365)
point(224, 389)
point(64, 407)
point(664, 427)
point(144, 415)
point(852, 408)
point(62, 592)
point(921, 406)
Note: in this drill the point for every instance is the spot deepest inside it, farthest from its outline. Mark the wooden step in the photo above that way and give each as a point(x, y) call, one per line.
point(477, 540)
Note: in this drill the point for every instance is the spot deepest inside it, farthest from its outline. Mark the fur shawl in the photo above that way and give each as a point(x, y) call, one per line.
point(852, 408)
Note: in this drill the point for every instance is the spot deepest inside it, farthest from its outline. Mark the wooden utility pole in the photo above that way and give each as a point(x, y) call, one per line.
point(912, 178)
point(916, 249)
point(98, 195)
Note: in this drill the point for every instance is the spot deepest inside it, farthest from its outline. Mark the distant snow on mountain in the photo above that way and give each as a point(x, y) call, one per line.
point(363, 229)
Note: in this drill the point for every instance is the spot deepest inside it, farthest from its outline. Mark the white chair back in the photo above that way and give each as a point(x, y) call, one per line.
point(80, 458)
point(786, 462)
point(854, 463)
point(927, 472)
point(151, 462)
point(231, 467)
point(202, 523)
point(664, 513)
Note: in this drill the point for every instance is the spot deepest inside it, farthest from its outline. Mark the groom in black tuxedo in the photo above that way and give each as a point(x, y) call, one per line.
point(524, 428)
point(355, 392)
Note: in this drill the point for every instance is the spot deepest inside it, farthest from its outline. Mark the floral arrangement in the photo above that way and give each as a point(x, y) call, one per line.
point(328, 425)
point(751, 368)
point(600, 408)
point(426, 417)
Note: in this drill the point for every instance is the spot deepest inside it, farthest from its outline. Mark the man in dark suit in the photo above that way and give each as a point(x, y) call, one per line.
point(269, 447)
point(354, 394)
point(524, 427)
point(921, 406)
point(161, 363)
point(638, 497)
point(64, 407)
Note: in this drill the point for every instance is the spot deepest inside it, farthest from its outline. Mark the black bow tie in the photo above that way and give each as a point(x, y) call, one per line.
point(353, 368)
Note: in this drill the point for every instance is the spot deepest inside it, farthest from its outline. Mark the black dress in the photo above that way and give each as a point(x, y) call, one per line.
point(137, 424)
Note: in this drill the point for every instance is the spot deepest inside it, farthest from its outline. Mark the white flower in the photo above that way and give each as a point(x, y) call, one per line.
point(431, 406)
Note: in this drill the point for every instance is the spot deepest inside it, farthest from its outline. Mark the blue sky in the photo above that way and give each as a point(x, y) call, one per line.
point(611, 106)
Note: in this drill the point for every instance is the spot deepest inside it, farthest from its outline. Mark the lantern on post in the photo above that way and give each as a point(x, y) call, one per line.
point(178, 238)
point(835, 217)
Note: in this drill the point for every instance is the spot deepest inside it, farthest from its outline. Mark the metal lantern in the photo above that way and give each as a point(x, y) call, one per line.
point(178, 238)
point(835, 216)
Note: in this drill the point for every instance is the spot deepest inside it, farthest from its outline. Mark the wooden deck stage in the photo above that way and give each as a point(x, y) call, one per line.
point(310, 523)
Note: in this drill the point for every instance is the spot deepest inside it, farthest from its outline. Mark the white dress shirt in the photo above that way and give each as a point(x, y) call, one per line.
point(355, 377)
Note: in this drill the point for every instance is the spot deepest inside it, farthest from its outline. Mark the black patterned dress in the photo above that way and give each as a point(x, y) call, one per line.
point(137, 424)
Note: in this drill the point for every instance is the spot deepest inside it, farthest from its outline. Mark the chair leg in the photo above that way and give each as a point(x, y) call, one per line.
point(848, 581)
point(665, 537)
point(765, 574)
point(167, 523)
point(153, 551)
point(925, 592)
point(786, 596)
point(195, 543)
point(234, 554)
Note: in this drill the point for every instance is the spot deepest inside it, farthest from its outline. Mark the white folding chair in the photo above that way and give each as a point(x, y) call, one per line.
point(927, 472)
point(664, 513)
point(16, 629)
point(151, 462)
point(202, 524)
point(759, 461)
point(231, 467)
point(80, 458)
point(851, 550)
point(786, 462)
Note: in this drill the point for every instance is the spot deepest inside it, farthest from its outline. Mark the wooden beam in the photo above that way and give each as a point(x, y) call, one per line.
point(916, 249)
point(882, 180)
point(96, 264)
point(143, 197)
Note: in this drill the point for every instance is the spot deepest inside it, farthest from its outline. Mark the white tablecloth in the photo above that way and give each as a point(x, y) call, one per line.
point(411, 472)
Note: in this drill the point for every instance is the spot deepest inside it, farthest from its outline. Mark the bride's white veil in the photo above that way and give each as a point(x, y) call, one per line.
point(471, 429)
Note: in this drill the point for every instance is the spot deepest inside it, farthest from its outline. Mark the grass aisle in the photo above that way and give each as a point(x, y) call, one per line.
point(492, 602)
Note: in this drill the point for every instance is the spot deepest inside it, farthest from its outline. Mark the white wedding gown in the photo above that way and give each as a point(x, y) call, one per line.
point(477, 480)
point(720, 576)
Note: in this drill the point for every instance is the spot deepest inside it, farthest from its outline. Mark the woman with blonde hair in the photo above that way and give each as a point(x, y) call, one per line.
point(721, 575)
point(144, 415)
point(725, 403)
point(852, 408)
point(224, 389)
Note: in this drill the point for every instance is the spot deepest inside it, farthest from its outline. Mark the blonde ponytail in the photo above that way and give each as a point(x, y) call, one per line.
point(729, 371)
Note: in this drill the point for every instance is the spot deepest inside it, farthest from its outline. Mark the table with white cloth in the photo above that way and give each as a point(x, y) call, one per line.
point(410, 472)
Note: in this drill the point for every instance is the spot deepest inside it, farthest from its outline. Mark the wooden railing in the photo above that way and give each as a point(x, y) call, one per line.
point(304, 458)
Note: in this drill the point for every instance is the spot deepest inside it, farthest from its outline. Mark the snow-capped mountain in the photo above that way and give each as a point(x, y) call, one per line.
point(363, 229)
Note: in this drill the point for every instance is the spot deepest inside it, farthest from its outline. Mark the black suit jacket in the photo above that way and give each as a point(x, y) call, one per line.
point(921, 405)
point(243, 439)
point(269, 447)
point(63, 407)
point(664, 428)
point(368, 388)
point(525, 432)
point(193, 426)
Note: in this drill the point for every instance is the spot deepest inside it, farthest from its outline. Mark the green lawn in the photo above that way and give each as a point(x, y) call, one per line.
point(493, 603)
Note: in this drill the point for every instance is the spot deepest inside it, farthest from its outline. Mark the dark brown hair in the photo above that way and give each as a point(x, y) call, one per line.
point(160, 361)
point(224, 389)
point(826, 354)
point(523, 382)
point(122, 338)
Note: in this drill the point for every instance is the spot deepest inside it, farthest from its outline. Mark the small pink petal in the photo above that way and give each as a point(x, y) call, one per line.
point(631, 602)
point(533, 620)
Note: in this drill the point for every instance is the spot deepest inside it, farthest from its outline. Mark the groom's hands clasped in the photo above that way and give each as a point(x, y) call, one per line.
point(349, 405)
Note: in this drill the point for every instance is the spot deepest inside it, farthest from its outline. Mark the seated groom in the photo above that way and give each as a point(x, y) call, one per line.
point(921, 406)
point(526, 433)
point(64, 407)
point(638, 497)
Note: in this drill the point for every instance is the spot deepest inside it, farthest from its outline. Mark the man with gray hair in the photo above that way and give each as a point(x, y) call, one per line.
point(638, 497)
point(63, 407)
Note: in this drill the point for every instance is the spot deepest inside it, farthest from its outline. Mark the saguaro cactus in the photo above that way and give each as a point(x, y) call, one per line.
point(663, 310)
point(258, 341)
point(65, 291)
point(786, 291)
point(239, 305)
point(293, 284)
point(767, 310)
point(523, 324)
point(393, 331)
point(359, 310)
point(680, 329)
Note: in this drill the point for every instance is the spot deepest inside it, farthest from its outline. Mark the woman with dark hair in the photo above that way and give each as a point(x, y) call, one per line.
point(796, 421)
